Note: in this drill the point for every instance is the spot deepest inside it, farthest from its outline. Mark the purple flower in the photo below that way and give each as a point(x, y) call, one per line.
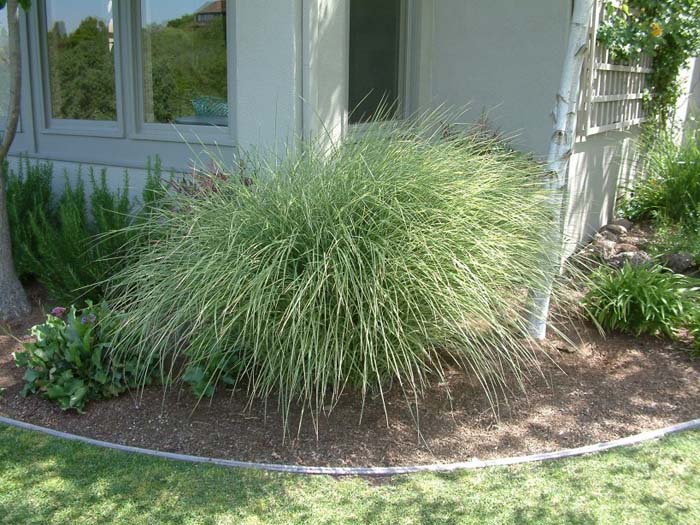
point(90, 318)
point(58, 311)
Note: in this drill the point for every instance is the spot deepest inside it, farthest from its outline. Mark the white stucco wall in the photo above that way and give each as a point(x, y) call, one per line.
point(689, 102)
point(325, 94)
point(289, 67)
point(115, 176)
point(268, 72)
point(600, 165)
point(503, 57)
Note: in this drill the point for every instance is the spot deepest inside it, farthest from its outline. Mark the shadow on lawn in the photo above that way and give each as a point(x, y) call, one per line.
point(46, 480)
point(70, 482)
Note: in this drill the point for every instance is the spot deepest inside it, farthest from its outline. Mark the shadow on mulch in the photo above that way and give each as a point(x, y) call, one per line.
point(598, 390)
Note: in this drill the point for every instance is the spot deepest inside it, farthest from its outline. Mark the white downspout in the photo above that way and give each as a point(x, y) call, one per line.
point(561, 146)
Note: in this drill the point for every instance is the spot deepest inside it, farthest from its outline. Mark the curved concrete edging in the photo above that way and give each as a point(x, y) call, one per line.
point(369, 471)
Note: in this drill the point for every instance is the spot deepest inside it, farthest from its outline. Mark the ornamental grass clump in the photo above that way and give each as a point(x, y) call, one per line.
point(374, 264)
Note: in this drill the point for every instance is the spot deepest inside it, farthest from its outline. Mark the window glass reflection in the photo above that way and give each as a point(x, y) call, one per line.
point(80, 45)
point(184, 61)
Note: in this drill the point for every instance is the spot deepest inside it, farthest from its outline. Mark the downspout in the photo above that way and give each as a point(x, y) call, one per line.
point(561, 148)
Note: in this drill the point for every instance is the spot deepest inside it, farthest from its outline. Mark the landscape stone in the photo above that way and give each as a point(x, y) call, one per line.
point(608, 235)
point(625, 223)
point(615, 228)
point(631, 239)
point(625, 247)
point(679, 262)
point(638, 258)
point(605, 248)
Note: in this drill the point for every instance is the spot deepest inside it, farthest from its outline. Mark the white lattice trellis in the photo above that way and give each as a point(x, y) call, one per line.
point(612, 92)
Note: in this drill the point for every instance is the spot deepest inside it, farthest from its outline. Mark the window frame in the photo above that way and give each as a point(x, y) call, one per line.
point(93, 128)
point(130, 123)
point(406, 42)
point(208, 135)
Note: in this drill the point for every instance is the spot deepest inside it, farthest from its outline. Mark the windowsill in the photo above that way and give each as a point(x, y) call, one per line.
point(84, 128)
point(186, 134)
point(198, 120)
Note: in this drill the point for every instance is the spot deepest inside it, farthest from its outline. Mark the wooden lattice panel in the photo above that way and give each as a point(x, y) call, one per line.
point(612, 92)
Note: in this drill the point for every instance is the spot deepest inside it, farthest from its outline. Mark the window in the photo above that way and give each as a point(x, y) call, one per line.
point(183, 61)
point(376, 62)
point(80, 56)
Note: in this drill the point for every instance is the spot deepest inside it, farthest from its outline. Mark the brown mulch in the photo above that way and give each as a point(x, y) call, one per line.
point(600, 389)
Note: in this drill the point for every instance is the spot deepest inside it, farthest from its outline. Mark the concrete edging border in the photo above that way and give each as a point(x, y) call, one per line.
point(368, 471)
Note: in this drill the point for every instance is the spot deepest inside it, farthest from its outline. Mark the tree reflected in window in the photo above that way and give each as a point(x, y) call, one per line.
point(80, 44)
point(184, 62)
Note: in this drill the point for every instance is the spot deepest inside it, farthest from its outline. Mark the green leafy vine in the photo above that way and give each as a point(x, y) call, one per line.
point(666, 30)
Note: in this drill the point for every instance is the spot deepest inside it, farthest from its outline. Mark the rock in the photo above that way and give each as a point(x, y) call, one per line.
point(638, 258)
point(566, 348)
point(606, 235)
point(614, 228)
point(679, 262)
point(605, 248)
point(624, 247)
point(631, 239)
point(626, 224)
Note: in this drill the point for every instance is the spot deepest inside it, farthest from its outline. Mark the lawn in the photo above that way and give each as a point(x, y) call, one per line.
point(47, 480)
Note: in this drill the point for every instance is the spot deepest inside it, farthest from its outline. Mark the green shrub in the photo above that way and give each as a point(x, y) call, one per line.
point(73, 243)
point(670, 188)
point(670, 237)
point(641, 300)
point(28, 190)
point(372, 264)
point(70, 361)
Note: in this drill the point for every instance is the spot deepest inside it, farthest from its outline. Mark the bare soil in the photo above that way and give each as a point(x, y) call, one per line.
point(599, 389)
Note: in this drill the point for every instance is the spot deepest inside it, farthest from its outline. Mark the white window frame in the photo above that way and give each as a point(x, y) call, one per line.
point(51, 125)
point(173, 132)
point(130, 122)
point(406, 31)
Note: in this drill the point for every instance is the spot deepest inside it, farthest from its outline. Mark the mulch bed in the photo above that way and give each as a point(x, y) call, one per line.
point(598, 390)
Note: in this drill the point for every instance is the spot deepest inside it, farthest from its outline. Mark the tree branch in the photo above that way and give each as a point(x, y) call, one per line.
point(16, 79)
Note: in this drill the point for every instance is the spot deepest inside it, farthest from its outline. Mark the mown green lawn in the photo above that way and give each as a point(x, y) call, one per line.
point(46, 480)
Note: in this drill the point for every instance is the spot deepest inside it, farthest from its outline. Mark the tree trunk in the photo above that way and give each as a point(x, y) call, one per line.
point(561, 147)
point(13, 300)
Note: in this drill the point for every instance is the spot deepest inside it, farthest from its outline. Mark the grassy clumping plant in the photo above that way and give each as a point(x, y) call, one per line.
point(73, 242)
point(670, 189)
point(670, 237)
point(370, 264)
point(641, 300)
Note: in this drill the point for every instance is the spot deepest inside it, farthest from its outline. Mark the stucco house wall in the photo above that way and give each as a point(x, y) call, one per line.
point(600, 166)
point(288, 79)
point(512, 75)
point(502, 57)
